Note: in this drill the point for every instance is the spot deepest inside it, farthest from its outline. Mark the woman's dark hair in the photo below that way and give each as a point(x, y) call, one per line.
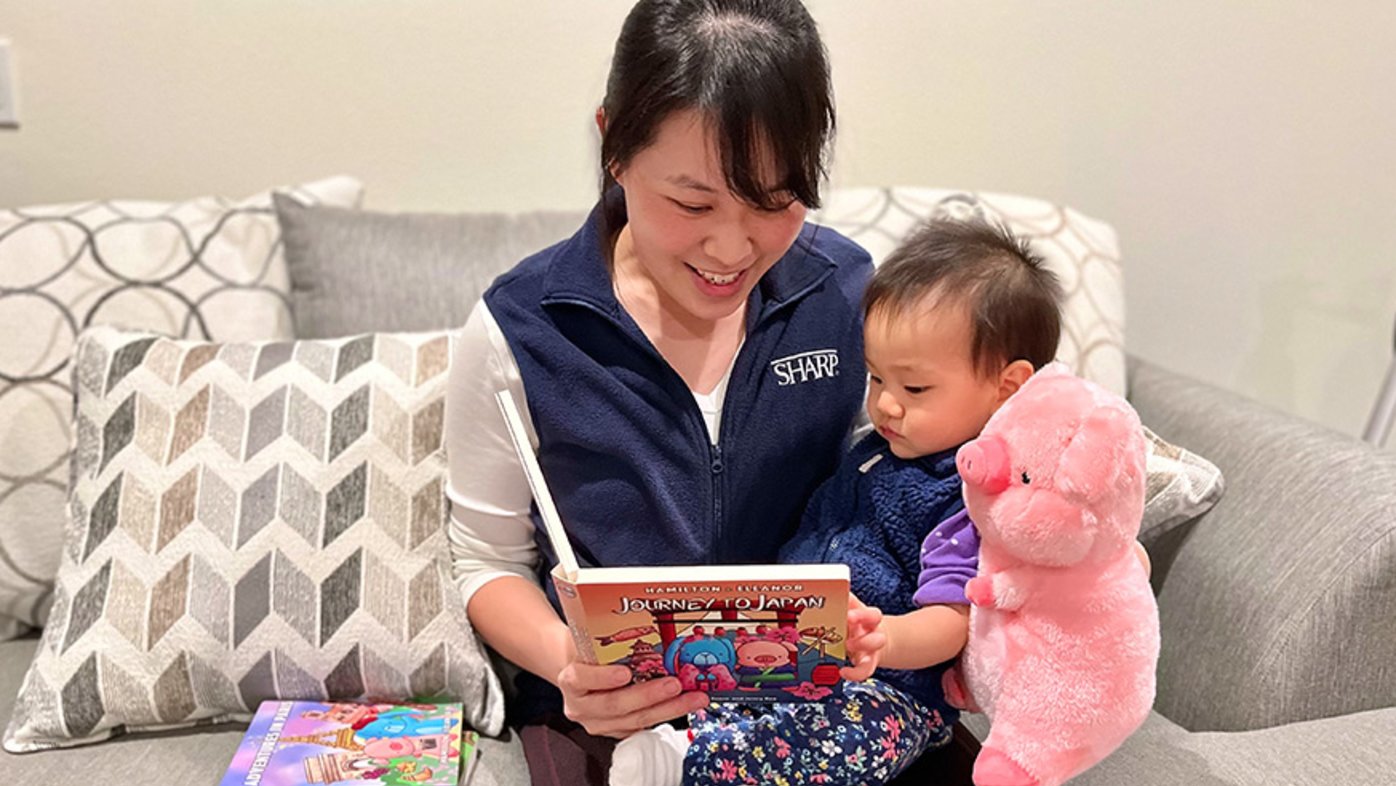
point(756, 68)
point(1013, 300)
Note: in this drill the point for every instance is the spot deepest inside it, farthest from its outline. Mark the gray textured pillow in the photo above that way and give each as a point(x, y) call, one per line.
point(355, 271)
point(251, 521)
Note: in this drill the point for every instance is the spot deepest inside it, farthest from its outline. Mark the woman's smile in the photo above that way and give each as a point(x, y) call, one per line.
point(716, 284)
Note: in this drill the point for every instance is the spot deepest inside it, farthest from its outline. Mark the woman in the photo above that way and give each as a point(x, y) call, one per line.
point(658, 352)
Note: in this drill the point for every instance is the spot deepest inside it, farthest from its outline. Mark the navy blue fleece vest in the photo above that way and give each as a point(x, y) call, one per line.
point(622, 442)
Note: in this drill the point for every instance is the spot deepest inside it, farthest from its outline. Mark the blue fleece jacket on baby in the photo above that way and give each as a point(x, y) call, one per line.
point(900, 526)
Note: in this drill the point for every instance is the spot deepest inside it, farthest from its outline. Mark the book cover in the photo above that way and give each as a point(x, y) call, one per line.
point(308, 742)
point(754, 633)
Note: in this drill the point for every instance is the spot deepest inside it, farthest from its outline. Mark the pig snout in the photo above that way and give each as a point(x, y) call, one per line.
point(983, 464)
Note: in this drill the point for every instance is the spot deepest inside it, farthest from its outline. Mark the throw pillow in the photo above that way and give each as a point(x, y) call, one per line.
point(1181, 486)
point(1083, 252)
point(357, 271)
point(206, 268)
point(251, 521)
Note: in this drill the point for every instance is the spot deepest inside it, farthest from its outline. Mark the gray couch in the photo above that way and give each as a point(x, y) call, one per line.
point(1278, 610)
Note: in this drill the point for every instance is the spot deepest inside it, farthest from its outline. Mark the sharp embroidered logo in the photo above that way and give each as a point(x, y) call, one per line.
point(806, 366)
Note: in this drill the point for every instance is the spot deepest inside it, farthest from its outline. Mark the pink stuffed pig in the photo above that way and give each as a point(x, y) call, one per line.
point(1064, 632)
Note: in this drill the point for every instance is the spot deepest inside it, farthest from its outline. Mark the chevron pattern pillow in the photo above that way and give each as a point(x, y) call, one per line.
point(251, 521)
point(207, 268)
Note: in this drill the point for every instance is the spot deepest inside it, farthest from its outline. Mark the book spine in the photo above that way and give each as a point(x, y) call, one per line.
point(576, 615)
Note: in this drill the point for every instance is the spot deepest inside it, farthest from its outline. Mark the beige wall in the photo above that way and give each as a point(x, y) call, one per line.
point(1245, 151)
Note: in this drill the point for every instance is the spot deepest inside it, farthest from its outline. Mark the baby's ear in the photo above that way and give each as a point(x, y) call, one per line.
point(1013, 377)
point(1094, 460)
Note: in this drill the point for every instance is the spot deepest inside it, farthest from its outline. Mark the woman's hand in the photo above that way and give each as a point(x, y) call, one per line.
point(512, 615)
point(867, 639)
point(600, 699)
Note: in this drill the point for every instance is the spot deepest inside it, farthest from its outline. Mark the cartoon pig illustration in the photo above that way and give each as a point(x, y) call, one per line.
point(764, 661)
point(383, 751)
point(1064, 634)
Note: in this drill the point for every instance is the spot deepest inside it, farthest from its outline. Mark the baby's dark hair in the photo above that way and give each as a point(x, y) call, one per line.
point(1013, 300)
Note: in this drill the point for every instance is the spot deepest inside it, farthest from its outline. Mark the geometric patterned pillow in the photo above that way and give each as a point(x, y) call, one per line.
point(207, 268)
point(1083, 252)
point(1181, 486)
point(251, 521)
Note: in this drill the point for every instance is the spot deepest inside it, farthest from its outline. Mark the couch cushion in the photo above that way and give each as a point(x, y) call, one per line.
point(252, 521)
point(1345, 749)
point(207, 268)
point(194, 756)
point(1083, 252)
point(360, 271)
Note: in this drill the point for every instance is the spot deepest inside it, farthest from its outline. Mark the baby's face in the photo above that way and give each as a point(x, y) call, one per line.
point(924, 394)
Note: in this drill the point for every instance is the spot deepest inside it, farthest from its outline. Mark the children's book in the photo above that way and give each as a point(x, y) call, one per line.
point(310, 742)
point(753, 633)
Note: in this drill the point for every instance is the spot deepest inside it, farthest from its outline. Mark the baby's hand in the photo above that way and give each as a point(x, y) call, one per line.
point(866, 640)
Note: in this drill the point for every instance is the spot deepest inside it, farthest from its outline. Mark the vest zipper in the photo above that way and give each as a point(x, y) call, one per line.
point(735, 379)
point(715, 461)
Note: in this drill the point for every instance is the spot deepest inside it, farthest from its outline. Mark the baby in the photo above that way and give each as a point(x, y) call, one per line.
point(956, 320)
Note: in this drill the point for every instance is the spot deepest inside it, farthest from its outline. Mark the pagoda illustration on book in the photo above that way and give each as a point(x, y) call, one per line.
point(754, 633)
point(308, 742)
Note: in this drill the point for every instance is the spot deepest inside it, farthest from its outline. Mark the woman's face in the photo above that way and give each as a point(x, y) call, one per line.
point(701, 246)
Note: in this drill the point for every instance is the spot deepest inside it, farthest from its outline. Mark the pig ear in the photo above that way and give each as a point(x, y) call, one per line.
point(1098, 455)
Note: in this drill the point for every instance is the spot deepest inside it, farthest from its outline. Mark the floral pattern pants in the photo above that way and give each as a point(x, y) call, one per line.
point(867, 736)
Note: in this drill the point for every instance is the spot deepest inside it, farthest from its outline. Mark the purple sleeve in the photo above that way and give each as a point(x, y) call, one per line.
point(949, 559)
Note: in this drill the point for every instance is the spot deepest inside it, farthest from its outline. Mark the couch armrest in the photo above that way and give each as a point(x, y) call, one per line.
point(1280, 603)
